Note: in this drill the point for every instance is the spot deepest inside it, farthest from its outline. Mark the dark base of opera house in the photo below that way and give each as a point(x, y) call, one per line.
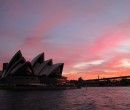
point(35, 83)
point(38, 74)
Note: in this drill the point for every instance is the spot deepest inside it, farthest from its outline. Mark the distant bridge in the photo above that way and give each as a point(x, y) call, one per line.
point(110, 78)
point(111, 81)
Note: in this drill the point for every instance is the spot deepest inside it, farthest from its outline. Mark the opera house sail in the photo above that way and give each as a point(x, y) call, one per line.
point(38, 73)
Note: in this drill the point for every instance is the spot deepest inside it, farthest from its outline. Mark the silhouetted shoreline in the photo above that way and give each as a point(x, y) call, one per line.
point(123, 81)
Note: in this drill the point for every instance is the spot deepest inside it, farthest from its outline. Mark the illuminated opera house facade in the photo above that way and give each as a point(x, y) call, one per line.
point(37, 72)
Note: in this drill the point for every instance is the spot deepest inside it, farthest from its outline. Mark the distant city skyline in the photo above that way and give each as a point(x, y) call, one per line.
point(91, 37)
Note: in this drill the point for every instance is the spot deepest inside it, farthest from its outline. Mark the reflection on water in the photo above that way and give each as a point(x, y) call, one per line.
point(94, 98)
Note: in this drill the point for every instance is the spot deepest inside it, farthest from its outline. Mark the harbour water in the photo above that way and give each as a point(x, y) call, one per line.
point(92, 98)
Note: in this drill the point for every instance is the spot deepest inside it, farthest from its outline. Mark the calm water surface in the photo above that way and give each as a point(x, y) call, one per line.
point(94, 98)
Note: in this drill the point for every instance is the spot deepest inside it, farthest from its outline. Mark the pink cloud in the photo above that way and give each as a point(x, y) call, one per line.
point(113, 65)
point(108, 41)
point(111, 39)
point(37, 37)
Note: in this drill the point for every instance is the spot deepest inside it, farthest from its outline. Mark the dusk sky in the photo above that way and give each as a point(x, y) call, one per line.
point(91, 37)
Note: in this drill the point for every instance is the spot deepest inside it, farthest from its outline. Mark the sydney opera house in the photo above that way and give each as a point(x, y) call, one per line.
point(19, 72)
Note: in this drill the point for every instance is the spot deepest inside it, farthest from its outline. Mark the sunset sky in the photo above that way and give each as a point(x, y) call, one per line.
point(91, 37)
